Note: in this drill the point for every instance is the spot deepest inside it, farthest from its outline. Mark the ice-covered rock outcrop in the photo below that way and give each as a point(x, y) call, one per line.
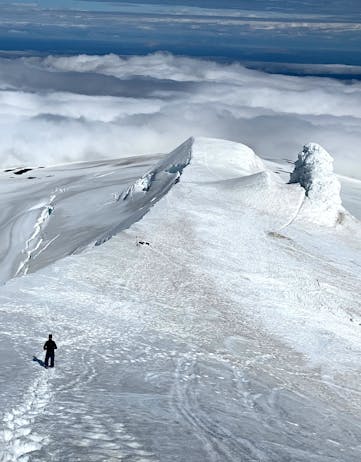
point(314, 172)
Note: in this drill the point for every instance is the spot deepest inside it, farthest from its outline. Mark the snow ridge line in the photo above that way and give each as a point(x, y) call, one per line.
point(34, 242)
point(147, 190)
point(18, 436)
point(172, 165)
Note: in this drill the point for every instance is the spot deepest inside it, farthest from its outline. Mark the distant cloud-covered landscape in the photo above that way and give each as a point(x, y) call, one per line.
point(283, 31)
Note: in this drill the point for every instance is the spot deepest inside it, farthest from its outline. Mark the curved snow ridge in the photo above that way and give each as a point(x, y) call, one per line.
point(235, 166)
point(216, 159)
point(138, 198)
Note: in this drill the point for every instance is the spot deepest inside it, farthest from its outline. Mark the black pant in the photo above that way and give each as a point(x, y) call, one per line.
point(49, 355)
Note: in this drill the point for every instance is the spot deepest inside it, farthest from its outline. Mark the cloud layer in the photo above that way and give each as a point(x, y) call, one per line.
point(60, 109)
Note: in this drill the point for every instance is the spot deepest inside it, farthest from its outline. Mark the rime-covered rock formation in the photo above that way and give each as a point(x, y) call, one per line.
point(314, 172)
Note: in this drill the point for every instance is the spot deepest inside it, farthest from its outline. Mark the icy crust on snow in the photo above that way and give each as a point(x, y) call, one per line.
point(314, 172)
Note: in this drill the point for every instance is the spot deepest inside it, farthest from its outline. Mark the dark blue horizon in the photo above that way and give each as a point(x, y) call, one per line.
point(288, 31)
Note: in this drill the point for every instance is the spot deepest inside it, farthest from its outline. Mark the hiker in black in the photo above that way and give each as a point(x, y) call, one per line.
point(50, 347)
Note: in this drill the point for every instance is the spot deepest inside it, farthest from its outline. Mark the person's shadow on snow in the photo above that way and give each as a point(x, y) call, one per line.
point(39, 361)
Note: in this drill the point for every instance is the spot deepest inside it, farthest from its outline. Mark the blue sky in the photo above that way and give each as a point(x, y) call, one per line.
point(291, 31)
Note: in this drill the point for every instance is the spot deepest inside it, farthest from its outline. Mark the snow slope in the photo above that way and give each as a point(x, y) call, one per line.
point(63, 210)
point(234, 335)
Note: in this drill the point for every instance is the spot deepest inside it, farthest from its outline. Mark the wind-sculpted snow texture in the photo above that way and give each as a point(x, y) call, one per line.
point(223, 340)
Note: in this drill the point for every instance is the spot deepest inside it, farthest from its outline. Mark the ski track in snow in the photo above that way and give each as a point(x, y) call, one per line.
point(219, 443)
point(180, 398)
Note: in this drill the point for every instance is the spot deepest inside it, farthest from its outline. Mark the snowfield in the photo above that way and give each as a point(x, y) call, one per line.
point(222, 322)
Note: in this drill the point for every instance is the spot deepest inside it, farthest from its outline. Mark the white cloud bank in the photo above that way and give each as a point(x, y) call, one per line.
point(60, 109)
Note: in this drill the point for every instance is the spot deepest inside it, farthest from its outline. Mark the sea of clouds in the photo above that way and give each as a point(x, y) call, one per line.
point(65, 109)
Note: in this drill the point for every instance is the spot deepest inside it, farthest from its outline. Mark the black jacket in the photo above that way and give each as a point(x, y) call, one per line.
point(50, 346)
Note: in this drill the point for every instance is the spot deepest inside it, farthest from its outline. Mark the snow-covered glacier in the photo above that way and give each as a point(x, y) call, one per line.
point(65, 209)
point(221, 322)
